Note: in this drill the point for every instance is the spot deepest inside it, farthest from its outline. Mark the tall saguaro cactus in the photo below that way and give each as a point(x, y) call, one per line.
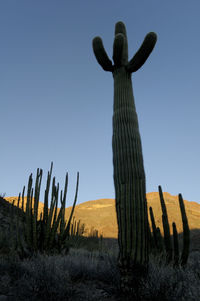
point(129, 174)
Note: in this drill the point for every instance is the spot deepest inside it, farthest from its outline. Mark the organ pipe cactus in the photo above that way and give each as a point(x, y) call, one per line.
point(172, 253)
point(40, 235)
point(129, 174)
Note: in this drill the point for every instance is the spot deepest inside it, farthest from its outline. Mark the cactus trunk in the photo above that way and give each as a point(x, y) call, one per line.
point(129, 176)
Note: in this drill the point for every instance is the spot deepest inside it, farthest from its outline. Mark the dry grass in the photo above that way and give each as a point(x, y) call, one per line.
point(93, 275)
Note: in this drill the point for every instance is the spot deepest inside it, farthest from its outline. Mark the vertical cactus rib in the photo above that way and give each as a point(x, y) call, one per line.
point(186, 232)
point(129, 174)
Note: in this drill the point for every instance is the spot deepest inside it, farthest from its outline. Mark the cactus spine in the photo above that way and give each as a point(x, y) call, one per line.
point(129, 174)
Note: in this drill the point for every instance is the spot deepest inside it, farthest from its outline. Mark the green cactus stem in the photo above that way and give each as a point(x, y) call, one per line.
point(173, 252)
point(176, 245)
point(36, 197)
point(159, 239)
point(153, 227)
point(129, 174)
point(151, 242)
point(166, 229)
point(23, 198)
point(186, 232)
point(28, 212)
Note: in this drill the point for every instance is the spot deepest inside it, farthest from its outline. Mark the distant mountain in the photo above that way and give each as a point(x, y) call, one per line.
point(101, 214)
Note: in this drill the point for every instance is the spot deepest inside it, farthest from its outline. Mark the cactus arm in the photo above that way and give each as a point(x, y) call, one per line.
point(101, 55)
point(56, 225)
point(118, 46)
point(63, 200)
point(167, 238)
point(28, 214)
point(120, 29)
point(186, 232)
point(54, 197)
point(160, 239)
point(153, 227)
point(55, 212)
point(18, 200)
point(143, 53)
point(176, 245)
point(45, 208)
point(66, 233)
point(151, 242)
point(62, 221)
point(36, 201)
point(23, 198)
point(31, 217)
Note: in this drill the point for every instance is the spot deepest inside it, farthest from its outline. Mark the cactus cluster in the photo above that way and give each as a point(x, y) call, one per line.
point(50, 231)
point(76, 229)
point(159, 243)
point(129, 174)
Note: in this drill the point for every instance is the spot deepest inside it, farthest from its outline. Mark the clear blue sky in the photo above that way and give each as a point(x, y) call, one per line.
point(56, 102)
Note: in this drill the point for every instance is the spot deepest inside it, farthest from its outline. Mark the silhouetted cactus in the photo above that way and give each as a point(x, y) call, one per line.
point(41, 235)
point(186, 232)
point(167, 237)
point(154, 230)
point(172, 253)
point(176, 245)
point(159, 239)
point(129, 174)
